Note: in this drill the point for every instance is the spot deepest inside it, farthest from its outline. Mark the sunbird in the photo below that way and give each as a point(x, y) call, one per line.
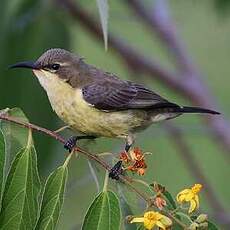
point(97, 103)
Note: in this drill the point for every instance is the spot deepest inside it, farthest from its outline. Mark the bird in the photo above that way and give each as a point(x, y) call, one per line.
point(97, 103)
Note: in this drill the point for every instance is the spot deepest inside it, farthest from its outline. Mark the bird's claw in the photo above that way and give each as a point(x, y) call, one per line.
point(116, 171)
point(70, 143)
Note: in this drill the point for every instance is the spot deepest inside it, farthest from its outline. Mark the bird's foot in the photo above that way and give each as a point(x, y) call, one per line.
point(127, 148)
point(71, 143)
point(116, 171)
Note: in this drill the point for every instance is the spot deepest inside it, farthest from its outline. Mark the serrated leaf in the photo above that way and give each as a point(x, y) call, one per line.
point(103, 8)
point(20, 198)
point(2, 164)
point(104, 213)
point(52, 199)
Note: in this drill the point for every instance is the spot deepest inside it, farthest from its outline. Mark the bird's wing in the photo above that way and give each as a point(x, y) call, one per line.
point(121, 95)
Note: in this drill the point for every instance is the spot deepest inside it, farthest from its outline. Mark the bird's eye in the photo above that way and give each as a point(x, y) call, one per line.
point(55, 66)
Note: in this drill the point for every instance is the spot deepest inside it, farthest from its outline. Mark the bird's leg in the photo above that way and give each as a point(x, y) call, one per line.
point(127, 147)
point(117, 169)
point(72, 141)
point(129, 142)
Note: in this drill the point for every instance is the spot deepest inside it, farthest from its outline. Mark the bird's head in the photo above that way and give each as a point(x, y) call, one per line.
point(54, 65)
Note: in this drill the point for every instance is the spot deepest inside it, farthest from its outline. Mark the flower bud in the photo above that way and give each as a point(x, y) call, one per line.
point(193, 226)
point(203, 225)
point(202, 218)
point(129, 218)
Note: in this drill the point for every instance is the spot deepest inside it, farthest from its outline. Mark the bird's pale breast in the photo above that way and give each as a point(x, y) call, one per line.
point(70, 106)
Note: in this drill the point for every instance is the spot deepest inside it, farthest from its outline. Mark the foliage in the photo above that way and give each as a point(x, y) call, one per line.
point(104, 213)
point(104, 15)
point(20, 190)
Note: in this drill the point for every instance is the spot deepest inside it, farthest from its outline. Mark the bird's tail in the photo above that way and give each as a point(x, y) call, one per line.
point(188, 109)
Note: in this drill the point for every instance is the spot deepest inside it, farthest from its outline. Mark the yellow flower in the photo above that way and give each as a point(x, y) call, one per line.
point(151, 218)
point(190, 195)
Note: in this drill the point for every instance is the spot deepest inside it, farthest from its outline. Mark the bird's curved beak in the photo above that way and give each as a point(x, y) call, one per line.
point(24, 64)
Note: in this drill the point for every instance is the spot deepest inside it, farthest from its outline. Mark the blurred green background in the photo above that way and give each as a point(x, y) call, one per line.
point(28, 28)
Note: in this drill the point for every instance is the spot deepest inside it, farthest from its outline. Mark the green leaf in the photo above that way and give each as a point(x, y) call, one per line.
point(15, 135)
point(20, 198)
point(104, 213)
point(141, 227)
point(2, 164)
point(172, 203)
point(129, 197)
point(211, 226)
point(52, 199)
point(103, 8)
point(126, 211)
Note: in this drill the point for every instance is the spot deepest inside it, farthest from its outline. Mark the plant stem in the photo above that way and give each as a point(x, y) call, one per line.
point(106, 181)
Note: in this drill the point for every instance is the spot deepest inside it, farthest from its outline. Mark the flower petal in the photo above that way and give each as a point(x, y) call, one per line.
point(160, 224)
point(193, 206)
point(196, 188)
point(189, 196)
point(181, 195)
point(197, 201)
point(137, 220)
point(166, 221)
point(148, 224)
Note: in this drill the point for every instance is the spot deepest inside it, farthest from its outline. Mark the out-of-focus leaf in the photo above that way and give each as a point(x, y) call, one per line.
point(20, 199)
point(103, 8)
point(129, 197)
point(26, 20)
point(126, 211)
point(2, 164)
point(94, 174)
point(177, 227)
point(141, 227)
point(52, 199)
point(212, 226)
point(171, 202)
point(223, 6)
point(104, 213)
